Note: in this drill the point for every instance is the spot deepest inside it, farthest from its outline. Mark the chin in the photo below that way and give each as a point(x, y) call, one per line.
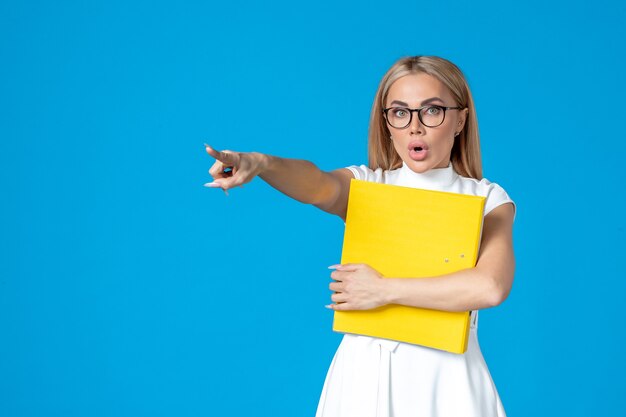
point(420, 166)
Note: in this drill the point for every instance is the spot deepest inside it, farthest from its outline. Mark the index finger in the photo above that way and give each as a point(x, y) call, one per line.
point(220, 156)
point(345, 267)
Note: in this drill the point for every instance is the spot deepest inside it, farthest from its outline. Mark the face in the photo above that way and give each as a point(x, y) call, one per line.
point(421, 147)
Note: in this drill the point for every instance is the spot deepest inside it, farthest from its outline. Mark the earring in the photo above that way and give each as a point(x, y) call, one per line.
point(390, 137)
point(457, 134)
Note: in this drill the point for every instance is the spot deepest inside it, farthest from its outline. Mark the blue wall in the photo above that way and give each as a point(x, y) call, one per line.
point(129, 289)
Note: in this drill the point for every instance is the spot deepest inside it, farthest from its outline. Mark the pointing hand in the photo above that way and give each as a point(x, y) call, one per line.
point(232, 169)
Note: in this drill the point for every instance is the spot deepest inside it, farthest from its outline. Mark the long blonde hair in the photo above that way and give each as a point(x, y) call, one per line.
point(465, 155)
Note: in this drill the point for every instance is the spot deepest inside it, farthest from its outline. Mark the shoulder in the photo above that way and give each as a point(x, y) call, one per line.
point(364, 173)
point(494, 193)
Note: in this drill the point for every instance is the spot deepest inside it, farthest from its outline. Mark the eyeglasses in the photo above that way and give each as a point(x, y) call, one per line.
point(429, 116)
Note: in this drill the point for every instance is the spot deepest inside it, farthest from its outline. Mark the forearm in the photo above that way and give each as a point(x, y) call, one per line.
point(361, 287)
point(464, 290)
point(297, 178)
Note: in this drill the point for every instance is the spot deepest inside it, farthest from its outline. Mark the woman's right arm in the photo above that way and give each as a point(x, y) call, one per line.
point(299, 179)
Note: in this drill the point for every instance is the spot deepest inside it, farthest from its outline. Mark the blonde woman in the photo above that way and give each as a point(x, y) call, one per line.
point(423, 134)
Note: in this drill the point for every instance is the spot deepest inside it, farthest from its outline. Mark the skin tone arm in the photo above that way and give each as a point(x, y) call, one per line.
point(298, 179)
point(360, 287)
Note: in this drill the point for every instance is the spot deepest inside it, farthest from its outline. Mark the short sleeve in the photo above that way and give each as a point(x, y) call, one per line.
point(496, 196)
point(364, 173)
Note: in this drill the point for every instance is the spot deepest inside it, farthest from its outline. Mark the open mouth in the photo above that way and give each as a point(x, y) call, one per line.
point(417, 146)
point(418, 150)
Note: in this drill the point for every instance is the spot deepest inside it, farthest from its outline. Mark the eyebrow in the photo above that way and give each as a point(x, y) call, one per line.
point(427, 101)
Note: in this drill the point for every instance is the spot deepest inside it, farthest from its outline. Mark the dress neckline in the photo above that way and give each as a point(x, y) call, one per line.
point(432, 179)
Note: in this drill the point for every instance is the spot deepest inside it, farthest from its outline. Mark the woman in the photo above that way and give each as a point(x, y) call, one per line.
point(423, 134)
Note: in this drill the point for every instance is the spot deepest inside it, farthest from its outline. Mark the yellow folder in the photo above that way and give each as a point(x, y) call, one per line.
point(407, 232)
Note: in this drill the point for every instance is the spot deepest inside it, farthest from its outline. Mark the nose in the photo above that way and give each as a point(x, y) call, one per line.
point(416, 127)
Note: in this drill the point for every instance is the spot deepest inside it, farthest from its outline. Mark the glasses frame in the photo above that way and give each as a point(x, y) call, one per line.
point(419, 114)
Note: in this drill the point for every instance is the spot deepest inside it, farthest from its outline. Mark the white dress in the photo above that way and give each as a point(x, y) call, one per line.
point(371, 377)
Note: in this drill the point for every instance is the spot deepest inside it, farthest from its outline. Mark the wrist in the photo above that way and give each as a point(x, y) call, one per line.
point(264, 162)
point(389, 290)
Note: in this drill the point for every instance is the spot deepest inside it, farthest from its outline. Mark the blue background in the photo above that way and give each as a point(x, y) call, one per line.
point(129, 289)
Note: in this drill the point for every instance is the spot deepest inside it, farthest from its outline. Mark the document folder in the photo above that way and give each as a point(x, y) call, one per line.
point(405, 232)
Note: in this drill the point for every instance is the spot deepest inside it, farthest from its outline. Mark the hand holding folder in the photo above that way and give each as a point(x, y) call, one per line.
point(407, 232)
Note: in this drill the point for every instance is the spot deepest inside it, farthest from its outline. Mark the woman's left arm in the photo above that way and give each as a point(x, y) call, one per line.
point(360, 287)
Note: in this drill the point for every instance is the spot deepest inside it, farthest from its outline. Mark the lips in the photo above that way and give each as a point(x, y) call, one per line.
point(418, 150)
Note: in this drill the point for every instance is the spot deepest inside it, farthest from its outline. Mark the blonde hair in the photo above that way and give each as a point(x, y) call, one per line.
point(465, 155)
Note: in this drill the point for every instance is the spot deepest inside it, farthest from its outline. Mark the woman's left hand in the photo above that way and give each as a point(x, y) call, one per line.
point(357, 287)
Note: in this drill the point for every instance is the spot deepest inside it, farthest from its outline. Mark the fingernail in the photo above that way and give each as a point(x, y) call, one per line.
point(336, 266)
point(212, 184)
point(328, 307)
point(206, 146)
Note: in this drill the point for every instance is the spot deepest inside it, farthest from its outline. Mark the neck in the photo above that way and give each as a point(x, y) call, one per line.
point(432, 179)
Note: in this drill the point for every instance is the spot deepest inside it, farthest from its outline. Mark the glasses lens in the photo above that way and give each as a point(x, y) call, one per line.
point(432, 116)
point(399, 117)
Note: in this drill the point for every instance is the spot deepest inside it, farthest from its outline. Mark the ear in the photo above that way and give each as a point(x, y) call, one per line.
point(462, 118)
